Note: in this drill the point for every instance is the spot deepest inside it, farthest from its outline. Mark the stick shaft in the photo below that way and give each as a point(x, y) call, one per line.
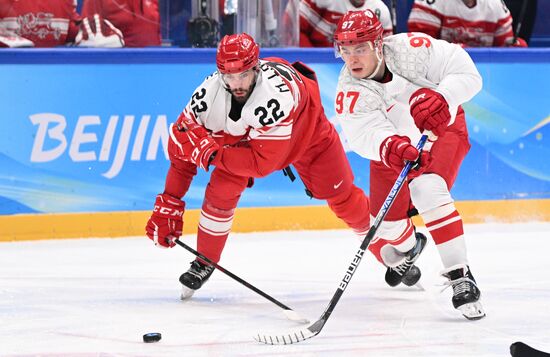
point(232, 276)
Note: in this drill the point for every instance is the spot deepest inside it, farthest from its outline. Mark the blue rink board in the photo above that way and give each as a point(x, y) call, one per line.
point(85, 130)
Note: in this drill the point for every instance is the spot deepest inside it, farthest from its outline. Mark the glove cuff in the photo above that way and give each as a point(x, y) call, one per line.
point(168, 206)
point(422, 94)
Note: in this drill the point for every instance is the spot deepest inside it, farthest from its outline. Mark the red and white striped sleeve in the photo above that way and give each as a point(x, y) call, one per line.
point(313, 26)
point(504, 34)
point(425, 19)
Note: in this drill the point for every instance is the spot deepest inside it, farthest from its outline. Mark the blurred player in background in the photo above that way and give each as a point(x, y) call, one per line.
point(249, 119)
point(389, 91)
point(318, 18)
point(470, 23)
point(38, 23)
point(118, 23)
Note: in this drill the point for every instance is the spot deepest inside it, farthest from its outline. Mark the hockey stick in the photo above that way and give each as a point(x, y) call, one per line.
point(522, 13)
point(520, 349)
point(315, 328)
point(289, 313)
point(394, 15)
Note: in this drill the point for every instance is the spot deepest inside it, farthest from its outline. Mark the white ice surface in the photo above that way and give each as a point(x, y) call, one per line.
point(97, 297)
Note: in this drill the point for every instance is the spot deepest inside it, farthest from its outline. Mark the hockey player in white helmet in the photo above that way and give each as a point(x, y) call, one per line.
point(389, 91)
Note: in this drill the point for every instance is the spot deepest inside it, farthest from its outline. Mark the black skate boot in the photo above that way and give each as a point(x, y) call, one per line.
point(466, 294)
point(406, 272)
point(194, 278)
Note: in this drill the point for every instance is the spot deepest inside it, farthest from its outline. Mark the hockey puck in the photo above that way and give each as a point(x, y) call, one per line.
point(152, 337)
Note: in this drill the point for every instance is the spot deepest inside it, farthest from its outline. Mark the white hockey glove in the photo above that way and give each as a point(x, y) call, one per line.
point(11, 39)
point(101, 33)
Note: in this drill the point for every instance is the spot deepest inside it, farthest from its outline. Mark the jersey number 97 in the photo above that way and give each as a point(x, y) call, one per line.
point(340, 97)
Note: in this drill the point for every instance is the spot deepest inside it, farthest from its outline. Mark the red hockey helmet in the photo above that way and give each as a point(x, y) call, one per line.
point(358, 27)
point(237, 53)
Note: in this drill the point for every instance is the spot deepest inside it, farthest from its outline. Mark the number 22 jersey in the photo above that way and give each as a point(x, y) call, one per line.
point(273, 127)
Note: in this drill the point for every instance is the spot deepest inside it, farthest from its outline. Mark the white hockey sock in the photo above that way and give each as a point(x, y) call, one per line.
point(453, 252)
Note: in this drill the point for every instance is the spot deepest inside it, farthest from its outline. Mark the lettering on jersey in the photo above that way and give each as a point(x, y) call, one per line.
point(282, 88)
point(393, 192)
point(198, 105)
point(280, 69)
point(351, 269)
point(90, 141)
point(276, 113)
point(429, 2)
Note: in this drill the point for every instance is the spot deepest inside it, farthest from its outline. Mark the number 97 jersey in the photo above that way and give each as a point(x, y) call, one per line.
point(370, 111)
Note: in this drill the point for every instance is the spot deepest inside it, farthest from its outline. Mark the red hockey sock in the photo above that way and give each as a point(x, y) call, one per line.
point(214, 227)
point(353, 208)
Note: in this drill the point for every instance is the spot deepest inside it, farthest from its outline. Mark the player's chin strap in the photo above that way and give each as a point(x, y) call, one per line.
point(379, 57)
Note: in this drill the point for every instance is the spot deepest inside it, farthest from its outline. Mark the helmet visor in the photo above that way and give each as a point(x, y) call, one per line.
point(360, 49)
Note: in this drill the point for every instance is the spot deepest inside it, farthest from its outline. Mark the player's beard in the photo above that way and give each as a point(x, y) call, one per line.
point(241, 95)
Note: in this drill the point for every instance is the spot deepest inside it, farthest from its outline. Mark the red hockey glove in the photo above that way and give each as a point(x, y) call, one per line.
point(430, 111)
point(421, 164)
point(395, 150)
point(204, 147)
point(520, 42)
point(194, 145)
point(166, 222)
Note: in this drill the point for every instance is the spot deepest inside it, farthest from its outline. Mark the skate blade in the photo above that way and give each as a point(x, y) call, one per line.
point(419, 286)
point(472, 311)
point(186, 293)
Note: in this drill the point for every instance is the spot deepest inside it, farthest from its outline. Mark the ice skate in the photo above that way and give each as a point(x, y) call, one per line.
point(406, 272)
point(194, 278)
point(466, 294)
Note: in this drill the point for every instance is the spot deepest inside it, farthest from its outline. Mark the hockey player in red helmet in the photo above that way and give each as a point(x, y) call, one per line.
point(247, 120)
point(358, 39)
point(389, 92)
point(237, 60)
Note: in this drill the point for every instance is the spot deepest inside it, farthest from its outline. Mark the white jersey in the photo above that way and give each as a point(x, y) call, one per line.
point(369, 111)
point(267, 114)
point(487, 24)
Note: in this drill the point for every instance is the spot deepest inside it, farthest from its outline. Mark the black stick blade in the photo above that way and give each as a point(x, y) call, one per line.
point(520, 349)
